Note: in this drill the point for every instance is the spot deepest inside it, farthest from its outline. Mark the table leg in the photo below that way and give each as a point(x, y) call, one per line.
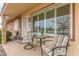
point(41, 46)
point(32, 40)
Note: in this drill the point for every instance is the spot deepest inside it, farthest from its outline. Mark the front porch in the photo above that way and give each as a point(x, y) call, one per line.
point(14, 48)
point(37, 20)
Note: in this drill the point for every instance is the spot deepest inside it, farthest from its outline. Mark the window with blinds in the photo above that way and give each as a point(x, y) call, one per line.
point(63, 20)
point(53, 21)
point(63, 10)
point(50, 22)
point(50, 14)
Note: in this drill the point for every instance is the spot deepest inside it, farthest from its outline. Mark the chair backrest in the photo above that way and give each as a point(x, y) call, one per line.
point(29, 35)
point(65, 40)
point(55, 41)
point(59, 40)
point(62, 40)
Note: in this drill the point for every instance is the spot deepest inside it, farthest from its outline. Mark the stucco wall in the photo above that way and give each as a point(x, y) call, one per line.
point(74, 45)
point(76, 42)
point(10, 26)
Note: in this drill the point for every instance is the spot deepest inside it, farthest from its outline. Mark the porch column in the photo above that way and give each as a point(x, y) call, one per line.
point(3, 30)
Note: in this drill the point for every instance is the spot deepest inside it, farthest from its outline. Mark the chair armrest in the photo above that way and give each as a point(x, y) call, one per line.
point(48, 37)
point(56, 48)
point(59, 47)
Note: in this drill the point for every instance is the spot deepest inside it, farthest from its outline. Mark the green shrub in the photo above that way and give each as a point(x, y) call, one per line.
point(8, 35)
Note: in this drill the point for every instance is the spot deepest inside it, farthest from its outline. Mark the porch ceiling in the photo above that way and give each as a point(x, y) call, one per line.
point(15, 9)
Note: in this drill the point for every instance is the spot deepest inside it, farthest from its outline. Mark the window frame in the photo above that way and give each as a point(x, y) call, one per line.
point(44, 10)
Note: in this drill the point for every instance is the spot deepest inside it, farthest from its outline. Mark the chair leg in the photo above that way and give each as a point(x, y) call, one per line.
point(32, 39)
point(52, 53)
point(35, 46)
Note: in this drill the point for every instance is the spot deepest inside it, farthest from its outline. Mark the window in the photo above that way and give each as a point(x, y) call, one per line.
point(63, 20)
point(16, 25)
point(41, 23)
point(38, 24)
point(63, 25)
point(63, 10)
point(54, 21)
point(50, 14)
point(50, 22)
point(35, 23)
point(41, 16)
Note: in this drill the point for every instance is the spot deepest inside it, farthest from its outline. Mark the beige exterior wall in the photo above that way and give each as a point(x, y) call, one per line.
point(10, 26)
point(75, 45)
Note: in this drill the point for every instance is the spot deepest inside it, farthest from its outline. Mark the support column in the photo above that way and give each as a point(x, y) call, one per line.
point(3, 30)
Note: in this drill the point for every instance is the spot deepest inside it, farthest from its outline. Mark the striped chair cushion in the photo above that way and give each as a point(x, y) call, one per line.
point(65, 40)
point(48, 49)
point(62, 40)
point(59, 40)
point(58, 52)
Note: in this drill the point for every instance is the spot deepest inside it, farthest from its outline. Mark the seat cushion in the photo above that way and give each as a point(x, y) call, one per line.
point(58, 52)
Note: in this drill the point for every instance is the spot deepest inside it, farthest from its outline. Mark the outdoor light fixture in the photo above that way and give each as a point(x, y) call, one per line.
point(7, 17)
point(28, 19)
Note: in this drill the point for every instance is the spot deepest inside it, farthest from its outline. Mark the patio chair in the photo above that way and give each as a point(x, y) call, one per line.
point(58, 47)
point(26, 39)
point(18, 36)
point(29, 41)
point(2, 51)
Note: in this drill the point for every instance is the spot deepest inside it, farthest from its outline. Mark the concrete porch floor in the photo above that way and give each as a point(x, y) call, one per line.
point(14, 48)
